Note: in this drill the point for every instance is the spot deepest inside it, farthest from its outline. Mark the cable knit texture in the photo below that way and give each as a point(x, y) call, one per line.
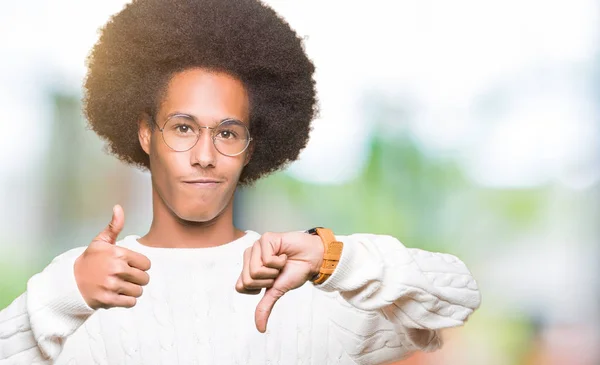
point(383, 302)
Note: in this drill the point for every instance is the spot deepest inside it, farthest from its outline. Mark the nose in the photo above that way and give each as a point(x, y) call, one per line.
point(204, 152)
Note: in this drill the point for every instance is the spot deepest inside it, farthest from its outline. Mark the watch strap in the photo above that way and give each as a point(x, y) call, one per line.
point(331, 253)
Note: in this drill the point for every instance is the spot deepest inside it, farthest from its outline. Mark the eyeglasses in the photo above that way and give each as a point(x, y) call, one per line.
point(181, 132)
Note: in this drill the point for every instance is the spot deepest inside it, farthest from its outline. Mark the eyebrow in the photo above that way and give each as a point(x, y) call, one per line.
point(197, 121)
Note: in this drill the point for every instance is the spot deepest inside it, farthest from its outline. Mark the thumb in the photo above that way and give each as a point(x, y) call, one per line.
point(265, 306)
point(111, 232)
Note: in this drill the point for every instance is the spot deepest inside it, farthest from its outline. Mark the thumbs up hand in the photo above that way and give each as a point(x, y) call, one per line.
point(108, 275)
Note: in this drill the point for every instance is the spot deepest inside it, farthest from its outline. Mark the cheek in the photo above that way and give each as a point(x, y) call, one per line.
point(166, 167)
point(232, 168)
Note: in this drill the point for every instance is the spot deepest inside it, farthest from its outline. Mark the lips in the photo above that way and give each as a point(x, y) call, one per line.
point(203, 183)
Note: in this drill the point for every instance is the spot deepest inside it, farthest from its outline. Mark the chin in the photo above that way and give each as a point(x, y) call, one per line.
point(199, 209)
point(198, 214)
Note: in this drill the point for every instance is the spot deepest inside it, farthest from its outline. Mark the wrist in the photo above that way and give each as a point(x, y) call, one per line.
point(318, 253)
point(331, 254)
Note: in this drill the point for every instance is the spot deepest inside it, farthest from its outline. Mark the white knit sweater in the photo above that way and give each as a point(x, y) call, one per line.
point(383, 302)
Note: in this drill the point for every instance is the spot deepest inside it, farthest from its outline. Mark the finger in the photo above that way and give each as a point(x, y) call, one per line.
point(247, 281)
point(258, 284)
point(111, 232)
point(257, 269)
point(245, 275)
point(268, 256)
point(265, 306)
point(135, 259)
point(239, 287)
point(135, 276)
point(124, 301)
point(130, 290)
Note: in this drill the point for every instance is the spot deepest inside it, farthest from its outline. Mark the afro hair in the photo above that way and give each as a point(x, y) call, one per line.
point(141, 47)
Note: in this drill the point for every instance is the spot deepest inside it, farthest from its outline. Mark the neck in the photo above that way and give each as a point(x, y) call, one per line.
point(170, 231)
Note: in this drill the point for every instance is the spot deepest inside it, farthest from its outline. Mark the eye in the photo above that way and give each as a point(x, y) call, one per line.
point(182, 128)
point(227, 134)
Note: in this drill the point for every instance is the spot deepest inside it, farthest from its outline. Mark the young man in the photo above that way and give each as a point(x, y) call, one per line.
point(209, 95)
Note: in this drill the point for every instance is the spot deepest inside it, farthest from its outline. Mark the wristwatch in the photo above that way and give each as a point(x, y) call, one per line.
point(332, 253)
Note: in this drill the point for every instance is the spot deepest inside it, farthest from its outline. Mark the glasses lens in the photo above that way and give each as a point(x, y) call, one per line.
point(231, 137)
point(180, 133)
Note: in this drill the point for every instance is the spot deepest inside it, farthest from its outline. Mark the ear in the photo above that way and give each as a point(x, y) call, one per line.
point(249, 153)
point(145, 132)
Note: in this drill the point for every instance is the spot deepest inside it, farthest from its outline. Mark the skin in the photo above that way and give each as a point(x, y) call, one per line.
point(195, 215)
point(192, 214)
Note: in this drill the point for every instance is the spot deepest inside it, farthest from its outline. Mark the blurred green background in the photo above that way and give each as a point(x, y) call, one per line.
point(464, 127)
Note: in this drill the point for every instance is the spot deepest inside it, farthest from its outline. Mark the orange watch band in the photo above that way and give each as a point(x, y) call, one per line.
point(331, 253)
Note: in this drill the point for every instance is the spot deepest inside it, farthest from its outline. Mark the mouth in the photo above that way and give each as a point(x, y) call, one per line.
point(203, 183)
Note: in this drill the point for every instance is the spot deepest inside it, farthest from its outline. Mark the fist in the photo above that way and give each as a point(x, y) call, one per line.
point(279, 262)
point(108, 275)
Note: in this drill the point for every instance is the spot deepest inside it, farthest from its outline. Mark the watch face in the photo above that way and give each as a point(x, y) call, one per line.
point(313, 230)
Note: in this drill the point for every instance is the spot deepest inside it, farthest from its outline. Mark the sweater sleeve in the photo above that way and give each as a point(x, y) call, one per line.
point(34, 328)
point(391, 300)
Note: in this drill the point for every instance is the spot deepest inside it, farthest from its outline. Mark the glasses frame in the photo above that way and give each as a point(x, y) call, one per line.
point(213, 137)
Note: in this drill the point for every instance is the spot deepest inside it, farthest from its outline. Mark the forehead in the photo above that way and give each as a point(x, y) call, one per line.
point(209, 96)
